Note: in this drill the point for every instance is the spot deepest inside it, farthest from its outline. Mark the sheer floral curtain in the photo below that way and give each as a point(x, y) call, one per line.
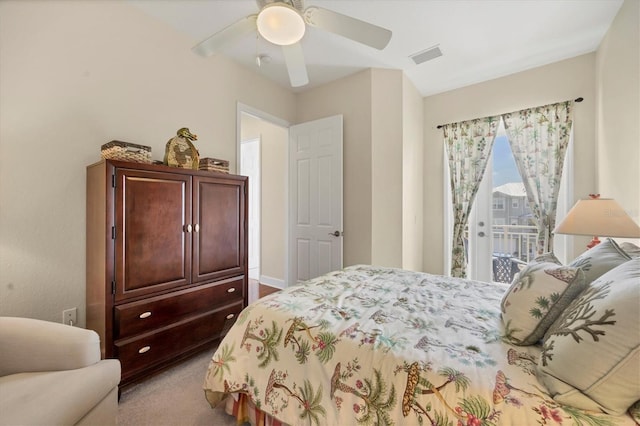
point(539, 138)
point(468, 146)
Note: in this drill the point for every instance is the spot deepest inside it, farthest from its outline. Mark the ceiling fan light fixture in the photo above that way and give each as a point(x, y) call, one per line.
point(280, 24)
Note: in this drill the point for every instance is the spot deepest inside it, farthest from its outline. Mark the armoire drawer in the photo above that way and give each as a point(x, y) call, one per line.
point(155, 312)
point(140, 353)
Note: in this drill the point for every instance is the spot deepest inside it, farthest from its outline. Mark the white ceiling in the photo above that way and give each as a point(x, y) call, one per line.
point(480, 39)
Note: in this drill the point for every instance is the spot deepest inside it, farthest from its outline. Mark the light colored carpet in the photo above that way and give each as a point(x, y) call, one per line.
point(172, 398)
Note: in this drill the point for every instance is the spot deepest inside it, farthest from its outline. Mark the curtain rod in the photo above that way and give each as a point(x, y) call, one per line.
point(580, 99)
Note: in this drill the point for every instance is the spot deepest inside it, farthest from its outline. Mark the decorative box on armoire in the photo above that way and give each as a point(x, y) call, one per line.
point(166, 261)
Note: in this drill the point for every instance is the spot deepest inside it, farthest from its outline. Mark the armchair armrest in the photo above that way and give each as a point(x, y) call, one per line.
point(29, 345)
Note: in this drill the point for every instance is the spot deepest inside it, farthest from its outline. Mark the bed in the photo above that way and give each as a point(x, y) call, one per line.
point(385, 346)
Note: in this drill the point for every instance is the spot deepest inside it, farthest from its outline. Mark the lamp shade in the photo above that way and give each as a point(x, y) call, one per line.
point(280, 24)
point(598, 217)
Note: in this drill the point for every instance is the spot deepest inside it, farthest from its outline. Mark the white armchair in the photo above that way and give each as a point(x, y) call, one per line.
point(52, 374)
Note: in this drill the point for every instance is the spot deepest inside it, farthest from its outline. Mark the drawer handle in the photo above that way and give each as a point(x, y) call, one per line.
point(231, 290)
point(231, 316)
point(145, 315)
point(143, 350)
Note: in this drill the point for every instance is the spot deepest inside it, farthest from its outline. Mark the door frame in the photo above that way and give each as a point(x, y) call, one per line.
point(246, 109)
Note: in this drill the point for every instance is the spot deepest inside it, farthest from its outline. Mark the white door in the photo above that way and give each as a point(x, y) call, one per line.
point(250, 166)
point(480, 243)
point(315, 198)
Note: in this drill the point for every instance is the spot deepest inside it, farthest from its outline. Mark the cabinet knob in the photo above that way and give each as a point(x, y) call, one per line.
point(145, 315)
point(144, 349)
point(231, 316)
point(189, 228)
point(231, 290)
point(197, 227)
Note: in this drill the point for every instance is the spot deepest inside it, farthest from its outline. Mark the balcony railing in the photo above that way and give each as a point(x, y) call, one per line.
point(513, 247)
point(519, 241)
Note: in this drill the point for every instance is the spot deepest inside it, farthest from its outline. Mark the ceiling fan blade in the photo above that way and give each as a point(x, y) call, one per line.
point(346, 26)
point(294, 58)
point(225, 36)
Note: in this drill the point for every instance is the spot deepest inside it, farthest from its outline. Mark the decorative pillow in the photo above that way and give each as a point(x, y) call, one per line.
point(630, 249)
point(600, 259)
point(590, 357)
point(544, 257)
point(537, 296)
point(548, 257)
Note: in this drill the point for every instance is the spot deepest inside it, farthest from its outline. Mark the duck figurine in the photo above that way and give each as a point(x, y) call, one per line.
point(180, 151)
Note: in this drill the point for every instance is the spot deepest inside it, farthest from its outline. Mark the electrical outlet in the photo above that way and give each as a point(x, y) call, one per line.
point(69, 316)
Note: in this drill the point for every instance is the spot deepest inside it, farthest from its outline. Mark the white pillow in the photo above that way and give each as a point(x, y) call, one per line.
point(600, 259)
point(630, 249)
point(591, 354)
point(537, 296)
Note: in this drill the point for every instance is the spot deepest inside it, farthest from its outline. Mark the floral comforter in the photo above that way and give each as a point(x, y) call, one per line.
point(371, 345)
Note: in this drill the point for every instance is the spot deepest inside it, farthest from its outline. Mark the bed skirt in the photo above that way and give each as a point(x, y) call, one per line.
point(245, 411)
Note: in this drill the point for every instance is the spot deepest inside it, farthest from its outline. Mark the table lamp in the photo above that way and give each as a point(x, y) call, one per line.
point(597, 216)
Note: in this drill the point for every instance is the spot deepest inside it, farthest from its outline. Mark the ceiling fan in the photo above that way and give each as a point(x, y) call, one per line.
point(284, 23)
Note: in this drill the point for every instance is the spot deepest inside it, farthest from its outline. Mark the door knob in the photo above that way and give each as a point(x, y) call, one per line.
point(335, 233)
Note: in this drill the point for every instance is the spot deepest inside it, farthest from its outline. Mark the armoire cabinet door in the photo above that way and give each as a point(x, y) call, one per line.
point(219, 217)
point(152, 239)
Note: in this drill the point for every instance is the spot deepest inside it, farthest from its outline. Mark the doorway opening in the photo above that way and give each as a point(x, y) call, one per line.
point(296, 177)
point(250, 166)
point(262, 154)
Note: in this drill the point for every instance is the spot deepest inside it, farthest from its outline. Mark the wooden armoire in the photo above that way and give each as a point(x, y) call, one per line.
point(166, 261)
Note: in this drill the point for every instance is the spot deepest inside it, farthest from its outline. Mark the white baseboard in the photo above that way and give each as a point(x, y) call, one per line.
point(272, 282)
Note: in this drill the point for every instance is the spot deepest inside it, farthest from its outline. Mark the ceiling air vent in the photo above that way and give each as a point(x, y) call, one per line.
point(426, 55)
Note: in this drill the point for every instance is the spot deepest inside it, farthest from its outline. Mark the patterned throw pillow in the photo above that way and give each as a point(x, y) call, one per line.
point(548, 257)
point(544, 257)
point(537, 296)
point(590, 357)
point(600, 259)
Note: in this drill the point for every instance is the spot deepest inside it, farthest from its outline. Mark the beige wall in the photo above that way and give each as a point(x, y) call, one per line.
point(618, 110)
point(75, 75)
point(382, 199)
point(556, 82)
point(351, 97)
point(274, 202)
point(412, 177)
point(273, 198)
point(386, 167)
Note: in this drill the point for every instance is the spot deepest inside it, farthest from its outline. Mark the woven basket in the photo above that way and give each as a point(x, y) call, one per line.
point(126, 151)
point(214, 165)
